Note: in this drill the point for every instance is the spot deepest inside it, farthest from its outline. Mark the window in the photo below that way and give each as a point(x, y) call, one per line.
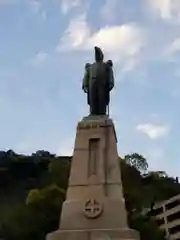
point(173, 217)
point(160, 221)
point(174, 230)
point(172, 204)
point(157, 211)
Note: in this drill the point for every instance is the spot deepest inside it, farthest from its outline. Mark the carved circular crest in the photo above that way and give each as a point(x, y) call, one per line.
point(92, 208)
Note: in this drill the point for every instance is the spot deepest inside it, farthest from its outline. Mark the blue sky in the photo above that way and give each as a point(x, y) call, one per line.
point(44, 46)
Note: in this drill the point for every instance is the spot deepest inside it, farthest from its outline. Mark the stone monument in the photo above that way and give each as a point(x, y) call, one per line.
point(95, 208)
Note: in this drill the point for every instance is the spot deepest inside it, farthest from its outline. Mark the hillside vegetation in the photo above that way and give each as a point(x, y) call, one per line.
point(32, 189)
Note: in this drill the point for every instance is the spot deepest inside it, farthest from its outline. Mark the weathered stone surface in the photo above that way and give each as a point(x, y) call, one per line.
point(97, 234)
point(94, 208)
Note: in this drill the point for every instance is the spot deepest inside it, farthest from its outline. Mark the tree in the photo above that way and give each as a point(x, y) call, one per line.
point(147, 228)
point(47, 202)
point(47, 180)
point(43, 154)
point(156, 174)
point(42, 158)
point(137, 160)
point(22, 224)
point(37, 217)
point(34, 197)
point(59, 171)
point(51, 196)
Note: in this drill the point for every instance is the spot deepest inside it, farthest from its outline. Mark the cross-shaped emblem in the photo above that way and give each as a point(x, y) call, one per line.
point(92, 208)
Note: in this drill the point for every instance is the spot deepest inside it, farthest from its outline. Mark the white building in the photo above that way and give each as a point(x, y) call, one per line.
point(167, 214)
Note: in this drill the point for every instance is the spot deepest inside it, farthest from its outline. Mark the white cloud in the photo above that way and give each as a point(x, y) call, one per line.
point(122, 43)
point(39, 58)
point(166, 9)
point(153, 131)
point(171, 50)
point(67, 5)
point(75, 35)
point(174, 46)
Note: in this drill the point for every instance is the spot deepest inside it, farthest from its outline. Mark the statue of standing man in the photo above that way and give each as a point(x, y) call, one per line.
point(98, 81)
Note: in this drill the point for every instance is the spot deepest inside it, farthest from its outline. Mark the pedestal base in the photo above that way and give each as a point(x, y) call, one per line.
point(94, 208)
point(95, 234)
point(112, 216)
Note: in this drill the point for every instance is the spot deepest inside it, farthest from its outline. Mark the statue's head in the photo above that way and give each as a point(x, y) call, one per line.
point(110, 63)
point(98, 54)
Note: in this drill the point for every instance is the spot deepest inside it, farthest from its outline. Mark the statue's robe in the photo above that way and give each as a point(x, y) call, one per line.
point(98, 82)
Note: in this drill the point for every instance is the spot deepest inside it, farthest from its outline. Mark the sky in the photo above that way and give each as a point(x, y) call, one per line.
point(44, 45)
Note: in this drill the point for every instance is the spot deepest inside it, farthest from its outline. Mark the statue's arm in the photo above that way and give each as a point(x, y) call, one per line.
point(86, 78)
point(111, 78)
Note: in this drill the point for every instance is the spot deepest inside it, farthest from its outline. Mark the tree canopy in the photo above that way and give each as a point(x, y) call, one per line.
point(32, 189)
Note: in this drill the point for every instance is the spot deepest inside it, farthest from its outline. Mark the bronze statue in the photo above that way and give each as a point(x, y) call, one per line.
point(98, 81)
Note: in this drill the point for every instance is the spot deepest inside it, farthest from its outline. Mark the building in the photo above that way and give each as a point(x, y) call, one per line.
point(167, 214)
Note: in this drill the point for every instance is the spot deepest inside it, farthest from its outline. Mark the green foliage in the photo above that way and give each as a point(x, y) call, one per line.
point(22, 224)
point(51, 196)
point(33, 189)
point(137, 160)
point(141, 191)
point(34, 197)
point(59, 171)
point(160, 186)
point(39, 216)
point(147, 228)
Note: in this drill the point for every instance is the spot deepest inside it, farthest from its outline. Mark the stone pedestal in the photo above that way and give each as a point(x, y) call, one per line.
point(94, 208)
